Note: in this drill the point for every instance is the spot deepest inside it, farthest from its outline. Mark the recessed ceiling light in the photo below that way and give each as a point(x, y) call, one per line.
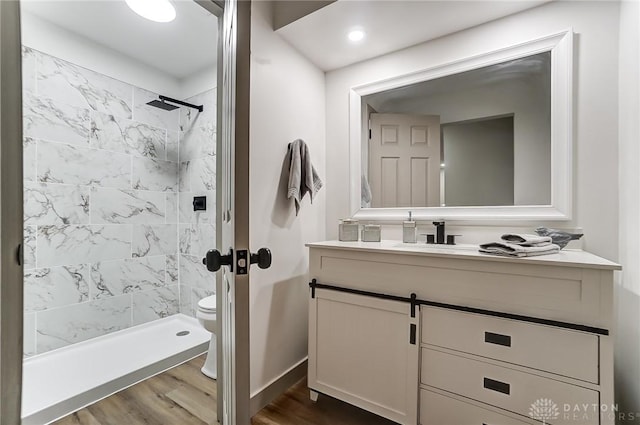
point(356, 35)
point(154, 10)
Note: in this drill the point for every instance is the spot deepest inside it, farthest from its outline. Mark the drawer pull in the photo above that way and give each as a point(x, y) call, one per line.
point(501, 387)
point(491, 338)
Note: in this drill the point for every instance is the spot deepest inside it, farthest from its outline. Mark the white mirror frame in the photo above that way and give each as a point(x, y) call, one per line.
point(561, 47)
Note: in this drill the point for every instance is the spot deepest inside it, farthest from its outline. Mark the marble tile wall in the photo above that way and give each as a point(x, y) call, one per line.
point(103, 240)
point(197, 177)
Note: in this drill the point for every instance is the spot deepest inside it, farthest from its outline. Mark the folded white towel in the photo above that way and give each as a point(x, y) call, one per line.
point(303, 177)
point(526, 240)
point(513, 250)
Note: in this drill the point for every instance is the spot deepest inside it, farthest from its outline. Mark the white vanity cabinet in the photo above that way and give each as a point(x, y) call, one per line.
point(365, 350)
point(449, 336)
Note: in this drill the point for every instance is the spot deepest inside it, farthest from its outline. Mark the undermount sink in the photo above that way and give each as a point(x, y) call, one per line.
point(432, 246)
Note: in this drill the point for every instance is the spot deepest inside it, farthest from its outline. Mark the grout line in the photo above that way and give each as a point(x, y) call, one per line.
point(35, 236)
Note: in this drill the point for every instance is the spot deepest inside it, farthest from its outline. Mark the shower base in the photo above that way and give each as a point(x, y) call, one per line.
point(65, 380)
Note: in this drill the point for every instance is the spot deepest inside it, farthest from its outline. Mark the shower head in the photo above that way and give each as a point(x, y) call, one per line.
point(162, 105)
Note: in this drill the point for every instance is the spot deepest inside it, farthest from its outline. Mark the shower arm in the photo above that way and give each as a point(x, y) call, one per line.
point(179, 102)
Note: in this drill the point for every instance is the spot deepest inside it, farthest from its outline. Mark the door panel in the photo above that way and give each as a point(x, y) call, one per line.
point(419, 179)
point(10, 214)
point(389, 183)
point(404, 157)
point(233, 213)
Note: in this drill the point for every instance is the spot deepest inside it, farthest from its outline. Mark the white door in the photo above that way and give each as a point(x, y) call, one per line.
point(232, 214)
point(404, 160)
point(233, 217)
point(10, 214)
point(225, 220)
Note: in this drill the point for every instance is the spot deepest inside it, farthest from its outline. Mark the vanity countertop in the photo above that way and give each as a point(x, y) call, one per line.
point(565, 258)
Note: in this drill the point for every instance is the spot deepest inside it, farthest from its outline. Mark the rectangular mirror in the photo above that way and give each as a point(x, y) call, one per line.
point(486, 137)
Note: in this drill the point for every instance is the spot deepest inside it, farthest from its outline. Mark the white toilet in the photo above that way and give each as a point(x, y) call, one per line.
point(207, 317)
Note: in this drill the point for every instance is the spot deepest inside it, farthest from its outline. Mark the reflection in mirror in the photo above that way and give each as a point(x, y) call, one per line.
point(477, 162)
point(475, 138)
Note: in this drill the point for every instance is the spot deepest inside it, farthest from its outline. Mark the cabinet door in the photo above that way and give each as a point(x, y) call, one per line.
point(364, 350)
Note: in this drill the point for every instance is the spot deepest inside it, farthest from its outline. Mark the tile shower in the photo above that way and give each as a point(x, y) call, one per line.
point(111, 239)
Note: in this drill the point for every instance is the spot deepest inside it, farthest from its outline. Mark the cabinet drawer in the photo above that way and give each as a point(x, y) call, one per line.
point(437, 409)
point(505, 388)
point(556, 350)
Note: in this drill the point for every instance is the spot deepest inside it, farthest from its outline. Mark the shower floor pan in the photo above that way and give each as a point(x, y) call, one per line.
point(62, 381)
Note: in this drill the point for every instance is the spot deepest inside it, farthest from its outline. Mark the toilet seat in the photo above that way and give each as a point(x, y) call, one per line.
point(207, 304)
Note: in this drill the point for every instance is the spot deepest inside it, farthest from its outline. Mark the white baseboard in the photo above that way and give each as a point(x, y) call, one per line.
point(277, 386)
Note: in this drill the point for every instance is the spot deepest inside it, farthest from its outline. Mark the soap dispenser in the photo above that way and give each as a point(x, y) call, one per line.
point(409, 231)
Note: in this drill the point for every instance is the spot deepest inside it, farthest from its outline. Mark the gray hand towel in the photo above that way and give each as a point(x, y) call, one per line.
point(512, 250)
point(526, 240)
point(365, 191)
point(303, 177)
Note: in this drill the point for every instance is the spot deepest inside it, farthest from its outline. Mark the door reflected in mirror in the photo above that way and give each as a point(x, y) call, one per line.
point(475, 138)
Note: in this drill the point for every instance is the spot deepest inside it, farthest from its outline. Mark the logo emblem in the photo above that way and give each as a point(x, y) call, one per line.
point(544, 409)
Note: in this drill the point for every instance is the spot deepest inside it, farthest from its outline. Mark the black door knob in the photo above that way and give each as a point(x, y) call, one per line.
point(214, 260)
point(262, 258)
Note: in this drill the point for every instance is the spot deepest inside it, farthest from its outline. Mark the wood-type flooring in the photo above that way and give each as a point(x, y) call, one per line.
point(184, 396)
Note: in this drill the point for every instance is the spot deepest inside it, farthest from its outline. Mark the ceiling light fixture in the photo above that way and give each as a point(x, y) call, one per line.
point(356, 35)
point(154, 10)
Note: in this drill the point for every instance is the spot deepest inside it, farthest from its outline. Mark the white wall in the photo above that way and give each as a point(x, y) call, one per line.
point(56, 41)
point(627, 348)
point(287, 103)
point(198, 82)
point(596, 126)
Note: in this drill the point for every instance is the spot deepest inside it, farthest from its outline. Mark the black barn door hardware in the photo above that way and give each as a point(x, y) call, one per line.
point(414, 301)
